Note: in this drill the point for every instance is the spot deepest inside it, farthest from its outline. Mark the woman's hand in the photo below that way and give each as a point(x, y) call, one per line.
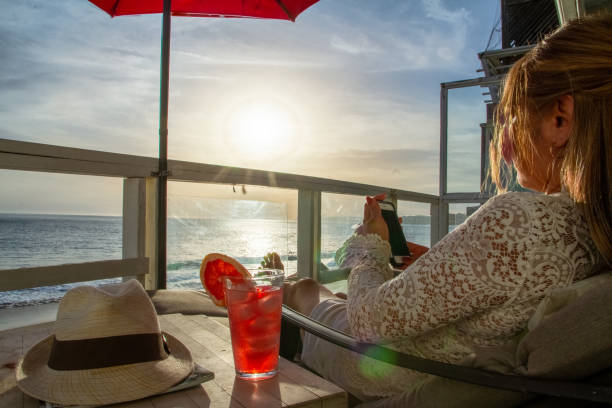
point(373, 221)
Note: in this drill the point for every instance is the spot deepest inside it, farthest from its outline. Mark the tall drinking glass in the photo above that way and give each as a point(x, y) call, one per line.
point(254, 309)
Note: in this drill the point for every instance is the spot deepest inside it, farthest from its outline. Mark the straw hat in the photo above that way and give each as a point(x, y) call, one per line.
point(107, 348)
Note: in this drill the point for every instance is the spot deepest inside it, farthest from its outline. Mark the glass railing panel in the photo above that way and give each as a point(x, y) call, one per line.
point(76, 220)
point(508, 175)
point(340, 216)
point(274, 111)
point(244, 222)
point(466, 111)
point(458, 213)
point(416, 222)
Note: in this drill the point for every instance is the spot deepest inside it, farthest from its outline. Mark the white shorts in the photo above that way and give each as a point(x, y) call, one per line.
point(362, 376)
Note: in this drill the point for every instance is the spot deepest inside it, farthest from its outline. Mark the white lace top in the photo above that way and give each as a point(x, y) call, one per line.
point(477, 287)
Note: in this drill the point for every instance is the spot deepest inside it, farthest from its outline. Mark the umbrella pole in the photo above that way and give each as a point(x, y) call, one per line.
point(163, 149)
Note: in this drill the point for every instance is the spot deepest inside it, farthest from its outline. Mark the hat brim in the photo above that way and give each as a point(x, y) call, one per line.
point(101, 386)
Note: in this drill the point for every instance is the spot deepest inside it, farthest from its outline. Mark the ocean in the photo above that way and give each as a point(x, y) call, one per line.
point(28, 240)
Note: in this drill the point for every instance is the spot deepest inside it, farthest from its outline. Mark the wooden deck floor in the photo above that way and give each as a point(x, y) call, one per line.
point(208, 339)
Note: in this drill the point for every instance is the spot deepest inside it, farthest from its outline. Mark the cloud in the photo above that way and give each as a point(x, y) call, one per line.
point(384, 159)
point(408, 169)
point(233, 42)
point(356, 46)
point(360, 77)
point(364, 36)
point(199, 61)
point(402, 37)
point(435, 10)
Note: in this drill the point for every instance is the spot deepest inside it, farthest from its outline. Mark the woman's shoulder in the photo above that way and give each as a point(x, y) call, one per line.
point(529, 212)
point(529, 201)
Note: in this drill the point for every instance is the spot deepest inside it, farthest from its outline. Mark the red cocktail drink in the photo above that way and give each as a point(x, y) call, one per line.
point(254, 309)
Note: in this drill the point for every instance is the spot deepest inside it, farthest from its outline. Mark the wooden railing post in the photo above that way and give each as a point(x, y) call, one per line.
point(139, 225)
point(309, 233)
point(439, 221)
point(433, 226)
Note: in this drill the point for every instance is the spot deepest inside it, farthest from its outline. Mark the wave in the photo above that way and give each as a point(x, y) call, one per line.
point(30, 302)
point(177, 266)
point(245, 260)
point(248, 261)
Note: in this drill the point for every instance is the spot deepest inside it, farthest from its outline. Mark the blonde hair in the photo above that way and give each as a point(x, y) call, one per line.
point(576, 60)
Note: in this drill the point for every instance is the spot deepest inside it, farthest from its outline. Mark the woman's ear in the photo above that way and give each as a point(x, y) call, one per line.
point(560, 121)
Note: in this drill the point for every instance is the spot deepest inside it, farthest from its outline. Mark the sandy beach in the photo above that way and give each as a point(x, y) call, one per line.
point(27, 315)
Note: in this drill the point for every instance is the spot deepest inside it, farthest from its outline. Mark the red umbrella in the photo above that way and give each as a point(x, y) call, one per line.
point(269, 9)
point(274, 9)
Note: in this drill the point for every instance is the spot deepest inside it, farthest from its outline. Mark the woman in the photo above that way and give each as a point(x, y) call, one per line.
point(479, 285)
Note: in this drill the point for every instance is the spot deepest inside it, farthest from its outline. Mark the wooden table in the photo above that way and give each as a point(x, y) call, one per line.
point(208, 339)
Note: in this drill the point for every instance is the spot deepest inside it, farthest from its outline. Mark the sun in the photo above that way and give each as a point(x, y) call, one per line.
point(261, 127)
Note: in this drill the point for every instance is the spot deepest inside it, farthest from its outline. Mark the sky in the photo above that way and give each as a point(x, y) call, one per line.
point(350, 91)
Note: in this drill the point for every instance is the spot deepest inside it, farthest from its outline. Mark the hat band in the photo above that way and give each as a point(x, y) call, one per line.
point(87, 354)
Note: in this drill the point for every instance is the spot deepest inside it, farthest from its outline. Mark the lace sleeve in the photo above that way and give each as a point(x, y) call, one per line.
point(359, 247)
point(504, 253)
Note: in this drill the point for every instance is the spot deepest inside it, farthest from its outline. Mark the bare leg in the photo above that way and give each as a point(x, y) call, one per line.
point(303, 295)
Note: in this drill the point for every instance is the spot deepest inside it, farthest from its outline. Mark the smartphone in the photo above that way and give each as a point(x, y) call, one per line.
point(397, 239)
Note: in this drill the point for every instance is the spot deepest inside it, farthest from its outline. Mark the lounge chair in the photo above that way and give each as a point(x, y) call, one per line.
point(563, 360)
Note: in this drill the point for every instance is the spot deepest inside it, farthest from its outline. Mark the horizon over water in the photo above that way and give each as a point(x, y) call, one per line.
point(33, 240)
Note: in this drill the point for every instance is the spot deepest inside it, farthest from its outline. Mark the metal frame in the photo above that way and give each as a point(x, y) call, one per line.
point(594, 392)
point(162, 173)
point(140, 237)
point(495, 65)
point(141, 189)
point(568, 10)
point(492, 64)
point(28, 156)
point(447, 198)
